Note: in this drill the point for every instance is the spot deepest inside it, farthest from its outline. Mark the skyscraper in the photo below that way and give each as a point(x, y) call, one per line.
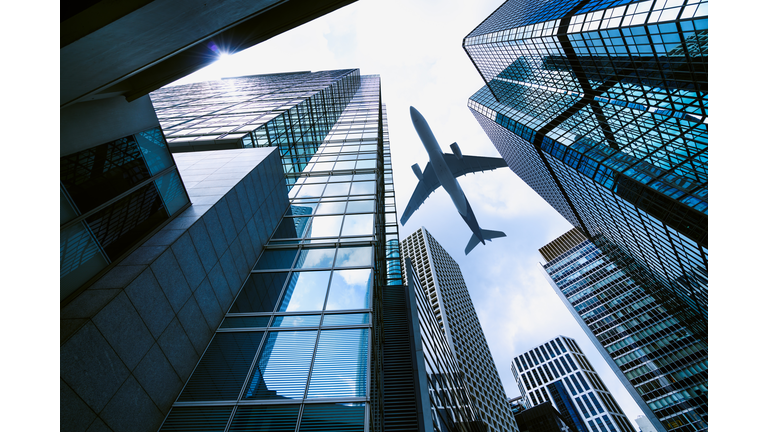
point(601, 107)
point(451, 303)
point(301, 344)
point(281, 313)
point(558, 372)
point(656, 348)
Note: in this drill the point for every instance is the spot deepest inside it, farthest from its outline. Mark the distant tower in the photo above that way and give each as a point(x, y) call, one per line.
point(651, 340)
point(441, 277)
point(558, 372)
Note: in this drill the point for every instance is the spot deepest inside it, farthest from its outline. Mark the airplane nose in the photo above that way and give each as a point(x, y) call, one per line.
point(415, 114)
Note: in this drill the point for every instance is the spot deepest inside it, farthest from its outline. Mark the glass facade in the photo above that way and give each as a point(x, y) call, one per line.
point(559, 373)
point(113, 196)
point(298, 349)
point(652, 340)
point(442, 283)
point(601, 107)
point(292, 111)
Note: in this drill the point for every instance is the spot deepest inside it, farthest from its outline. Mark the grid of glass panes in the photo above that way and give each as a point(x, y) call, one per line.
point(658, 354)
point(294, 350)
point(292, 111)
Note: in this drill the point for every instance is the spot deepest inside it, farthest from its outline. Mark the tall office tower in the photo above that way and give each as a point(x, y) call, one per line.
point(300, 348)
point(643, 335)
point(441, 277)
point(558, 372)
point(601, 108)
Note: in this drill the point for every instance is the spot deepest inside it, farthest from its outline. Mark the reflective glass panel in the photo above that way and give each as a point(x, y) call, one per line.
point(291, 228)
point(296, 321)
point(310, 190)
point(276, 259)
point(365, 206)
point(302, 209)
point(315, 258)
point(340, 365)
point(305, 291)
point(358, 225)
point(224, 367)
point(336, 418)
point(331, 207)
point(363, 188)
point(325, 226)
point(337, 189)
point(154, 150)
point(345, 319)
point(260, 293)
point(354, 256)
point(283, 365)
point(264, 418)
point(350, 289)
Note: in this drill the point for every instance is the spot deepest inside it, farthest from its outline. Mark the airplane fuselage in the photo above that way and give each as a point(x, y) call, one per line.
point(443, 172)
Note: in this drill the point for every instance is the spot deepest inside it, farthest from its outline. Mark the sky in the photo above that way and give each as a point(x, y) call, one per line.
point(415, 46)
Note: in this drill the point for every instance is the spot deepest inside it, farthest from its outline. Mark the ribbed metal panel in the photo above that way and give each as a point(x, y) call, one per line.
point(400, 405)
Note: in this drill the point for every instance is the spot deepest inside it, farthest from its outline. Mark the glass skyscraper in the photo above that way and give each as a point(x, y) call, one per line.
point(601, 107)
point(660, 358)
point(449, 300)
point(558, 372)
point(293, 111)
point(299, 348)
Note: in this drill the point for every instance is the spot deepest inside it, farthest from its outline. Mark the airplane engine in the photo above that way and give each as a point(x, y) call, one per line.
point(456, 151)
point(417, 171)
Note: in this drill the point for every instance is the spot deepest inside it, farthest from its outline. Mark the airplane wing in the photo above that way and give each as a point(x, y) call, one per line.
point(472, 164)
point(426, 186)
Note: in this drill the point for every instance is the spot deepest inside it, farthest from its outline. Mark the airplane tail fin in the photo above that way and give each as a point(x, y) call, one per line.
point(487, 235)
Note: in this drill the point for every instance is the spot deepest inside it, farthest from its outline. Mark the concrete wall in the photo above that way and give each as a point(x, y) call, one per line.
point(130, 341)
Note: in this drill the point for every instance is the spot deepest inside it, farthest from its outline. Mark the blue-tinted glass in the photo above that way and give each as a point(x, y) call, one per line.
point(340, 365)
point(223, 368)
point(308, 191)
point(265, 418)
point(305, 291)
point(337, 189)
point(583, 381)
point(315, 258)
point(156, 154)
point(350, 289)
point(354, 256)
point(325, 226)
point(197, 419)
point(332, 207)
point(345, 319)
point(260, 293)
point(172, 191)
point(245, 322)
point(363, 188)
point(302, 209)
point(594, 400)
point(283, 366)
point(291, 228)
point(358, 225)
point(276, 259)
point(296, 321)
point(333, 418)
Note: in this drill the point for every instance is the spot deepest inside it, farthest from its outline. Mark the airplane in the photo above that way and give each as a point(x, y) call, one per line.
point(442, 170)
